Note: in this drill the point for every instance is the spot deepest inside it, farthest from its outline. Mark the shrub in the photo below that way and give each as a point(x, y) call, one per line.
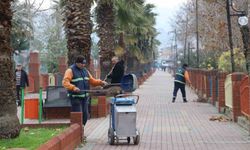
point(224, 62)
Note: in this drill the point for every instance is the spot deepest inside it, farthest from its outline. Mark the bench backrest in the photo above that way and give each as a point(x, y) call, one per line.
point(56, 92)
point(56, 96)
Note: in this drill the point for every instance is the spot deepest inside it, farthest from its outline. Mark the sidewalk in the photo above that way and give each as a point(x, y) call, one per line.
point(171, 126)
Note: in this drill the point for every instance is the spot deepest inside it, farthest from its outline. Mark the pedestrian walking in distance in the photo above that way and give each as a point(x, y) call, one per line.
point(22, 81)
point(181, 77)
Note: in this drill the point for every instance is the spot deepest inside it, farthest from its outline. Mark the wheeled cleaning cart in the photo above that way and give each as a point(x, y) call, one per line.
point(122, 124)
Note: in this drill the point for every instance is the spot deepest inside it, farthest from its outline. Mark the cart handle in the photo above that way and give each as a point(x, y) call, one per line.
point(92, 91)
point(128, 95)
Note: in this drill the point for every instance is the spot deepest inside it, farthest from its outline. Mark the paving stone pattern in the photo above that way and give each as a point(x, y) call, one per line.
point(171, 126)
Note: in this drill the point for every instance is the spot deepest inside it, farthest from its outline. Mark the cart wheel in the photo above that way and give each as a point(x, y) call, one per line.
point(117, 140)
point(111, 137)
point(128, 139)
point(136, 139)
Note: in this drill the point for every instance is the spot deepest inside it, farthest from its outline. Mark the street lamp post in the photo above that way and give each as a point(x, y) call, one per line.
point(188, 53)
point(240, 14)
point(189, 49)
point(197, 36)
point(243, 21)
point(174, 47)
point(230, 35)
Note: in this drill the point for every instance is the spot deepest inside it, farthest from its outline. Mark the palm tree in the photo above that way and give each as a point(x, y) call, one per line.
point(106, 31)
point(140, 36)
point(108, 25)
point(78, 28)
point(9, 123)
point(125, 20)
point(127, 12)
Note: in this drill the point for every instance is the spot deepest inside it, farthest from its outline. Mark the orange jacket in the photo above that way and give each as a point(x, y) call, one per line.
point(69, 75)
point(186, 76)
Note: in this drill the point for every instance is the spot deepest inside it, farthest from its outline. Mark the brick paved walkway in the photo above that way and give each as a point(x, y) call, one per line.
point(171, 126)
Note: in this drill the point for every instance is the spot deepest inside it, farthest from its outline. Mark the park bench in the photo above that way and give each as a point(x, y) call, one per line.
point(57, 104)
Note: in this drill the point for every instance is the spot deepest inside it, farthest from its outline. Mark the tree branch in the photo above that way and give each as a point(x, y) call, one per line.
point(37, 10)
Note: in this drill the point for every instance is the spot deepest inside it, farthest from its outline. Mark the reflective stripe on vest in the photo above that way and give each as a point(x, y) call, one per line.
point(77, 79)
point(180, 74)
point(179, 81)
point(80, 95)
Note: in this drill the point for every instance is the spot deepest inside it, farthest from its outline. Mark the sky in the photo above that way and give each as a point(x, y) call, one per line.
point(166, 9)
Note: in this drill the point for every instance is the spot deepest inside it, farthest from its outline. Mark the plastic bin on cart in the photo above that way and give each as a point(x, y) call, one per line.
point(31, 106)
point(121, 101)
point(122, 124)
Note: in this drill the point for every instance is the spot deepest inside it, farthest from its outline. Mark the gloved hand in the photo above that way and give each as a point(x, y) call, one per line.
point(104, 83)
point(76, 89)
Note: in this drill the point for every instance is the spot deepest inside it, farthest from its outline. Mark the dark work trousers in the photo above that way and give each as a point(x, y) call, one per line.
point(89, 107)
point(18, 94)
point(18, 91)
point(178, 86)
point(80, 105)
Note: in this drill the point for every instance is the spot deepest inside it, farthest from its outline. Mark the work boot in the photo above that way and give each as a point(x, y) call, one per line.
point(84, 137)
point(18, 102)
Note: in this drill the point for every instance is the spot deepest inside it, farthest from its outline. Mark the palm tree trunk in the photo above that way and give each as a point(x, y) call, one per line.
point(78, 27)
point(106, 32)
point(246, 42)
point(9, 123)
